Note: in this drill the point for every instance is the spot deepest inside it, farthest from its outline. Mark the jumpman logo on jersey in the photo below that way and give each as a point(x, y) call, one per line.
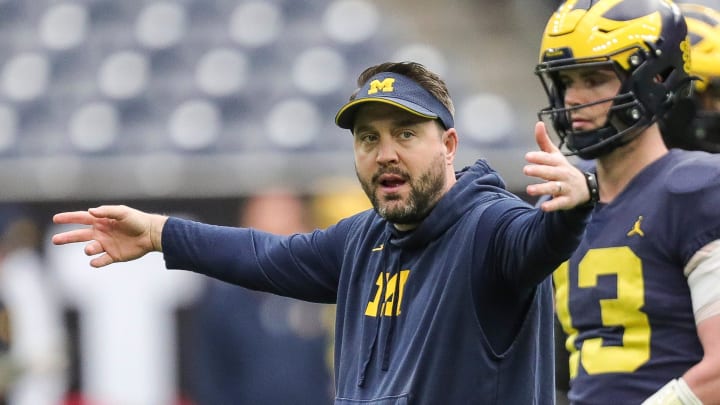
point(379, 248)
point(636, 228)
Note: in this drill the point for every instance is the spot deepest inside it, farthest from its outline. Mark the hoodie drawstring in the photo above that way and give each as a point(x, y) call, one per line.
point(393, 320)
point(371, 349)
point(378, 317)
point(380, 314)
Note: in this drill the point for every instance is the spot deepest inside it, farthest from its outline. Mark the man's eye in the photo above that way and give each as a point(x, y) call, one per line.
point(368, 138)
point(406, 134)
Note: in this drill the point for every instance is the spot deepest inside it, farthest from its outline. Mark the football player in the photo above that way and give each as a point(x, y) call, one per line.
point(639, 299)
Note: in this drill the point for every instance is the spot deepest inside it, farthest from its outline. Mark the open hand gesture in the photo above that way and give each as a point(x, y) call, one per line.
point(115, 232)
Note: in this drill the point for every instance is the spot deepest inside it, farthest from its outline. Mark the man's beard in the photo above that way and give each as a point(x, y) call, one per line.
point(424, 193)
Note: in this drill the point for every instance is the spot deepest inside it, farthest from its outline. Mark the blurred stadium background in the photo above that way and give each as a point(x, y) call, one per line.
point(192, 107)
point(213, 98)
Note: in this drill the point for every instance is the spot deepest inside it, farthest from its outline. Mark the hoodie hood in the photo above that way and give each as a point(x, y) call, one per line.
point(462, 196)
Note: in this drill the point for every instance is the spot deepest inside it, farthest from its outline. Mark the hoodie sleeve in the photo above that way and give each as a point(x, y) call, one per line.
point(530, 244)
point(303, 266)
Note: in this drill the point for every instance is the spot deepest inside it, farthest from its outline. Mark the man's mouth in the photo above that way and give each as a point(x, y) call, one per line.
point(581, 124)
point(391, 182)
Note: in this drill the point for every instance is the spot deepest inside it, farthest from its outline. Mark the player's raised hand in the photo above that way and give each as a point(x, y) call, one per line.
point(563, 181)
point(115, 232)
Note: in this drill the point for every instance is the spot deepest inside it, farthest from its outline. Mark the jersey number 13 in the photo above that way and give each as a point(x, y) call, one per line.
point(596, 356)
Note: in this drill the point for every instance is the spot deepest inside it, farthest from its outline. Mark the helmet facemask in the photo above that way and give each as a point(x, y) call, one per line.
point(643, 97)
point(585, 143)
point(644, 43)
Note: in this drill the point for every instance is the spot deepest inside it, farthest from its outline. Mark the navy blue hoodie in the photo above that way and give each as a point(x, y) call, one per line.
point(457, 311)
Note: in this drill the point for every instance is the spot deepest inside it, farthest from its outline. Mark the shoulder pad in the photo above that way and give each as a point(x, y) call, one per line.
point(694, 172)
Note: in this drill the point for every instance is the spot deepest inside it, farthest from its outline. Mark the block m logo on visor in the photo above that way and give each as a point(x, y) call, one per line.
point(386, 86)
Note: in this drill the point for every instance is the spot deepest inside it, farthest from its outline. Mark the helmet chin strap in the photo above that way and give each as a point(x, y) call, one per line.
point(611, 143)
point(602, 138)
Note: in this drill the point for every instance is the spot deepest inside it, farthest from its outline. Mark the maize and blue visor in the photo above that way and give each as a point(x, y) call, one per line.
point(399, 91)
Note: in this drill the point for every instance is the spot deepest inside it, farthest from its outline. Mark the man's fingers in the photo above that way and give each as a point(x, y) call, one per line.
point(554, 188)
point(541, 171)
point(109, 211)
point(102, 261)
point(93, 248)
point(76, 235)
point(555, 204)
point(73, 217)
point(549, 154)
point(543, 139)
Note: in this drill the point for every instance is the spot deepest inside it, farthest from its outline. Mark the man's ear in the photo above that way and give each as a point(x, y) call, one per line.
point(450, 140)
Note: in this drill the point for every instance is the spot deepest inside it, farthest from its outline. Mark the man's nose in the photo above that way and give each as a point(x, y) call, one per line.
point(387, 152)
point(573, 96)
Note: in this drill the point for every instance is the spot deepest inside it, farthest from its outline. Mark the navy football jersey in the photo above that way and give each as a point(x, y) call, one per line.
point(622, 297)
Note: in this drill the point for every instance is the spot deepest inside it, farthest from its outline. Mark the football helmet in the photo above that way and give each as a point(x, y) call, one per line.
point(703, 21)
point(644, 41)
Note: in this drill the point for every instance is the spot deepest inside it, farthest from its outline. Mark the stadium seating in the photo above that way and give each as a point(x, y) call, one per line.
point(102, 98)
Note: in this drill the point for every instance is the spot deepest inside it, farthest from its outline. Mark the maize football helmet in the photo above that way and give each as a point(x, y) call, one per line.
point(703, 21)
point(644, 41)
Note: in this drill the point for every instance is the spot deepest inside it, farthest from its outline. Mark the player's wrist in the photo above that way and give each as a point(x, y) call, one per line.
point(675, 392)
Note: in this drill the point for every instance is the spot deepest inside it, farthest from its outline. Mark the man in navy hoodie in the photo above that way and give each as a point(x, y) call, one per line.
point(441, 290)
